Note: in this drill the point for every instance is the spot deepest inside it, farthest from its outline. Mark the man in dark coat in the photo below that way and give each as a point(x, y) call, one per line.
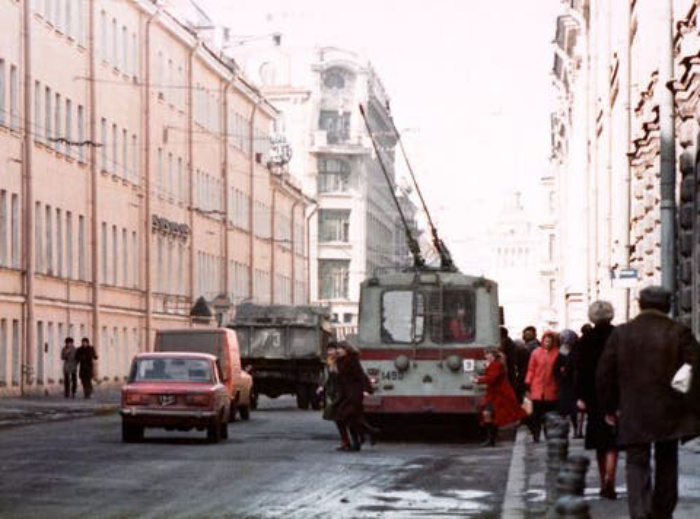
point(508, 349)
point(86, 356)
point(530, 338)
point(349, 410)
point(634, 389)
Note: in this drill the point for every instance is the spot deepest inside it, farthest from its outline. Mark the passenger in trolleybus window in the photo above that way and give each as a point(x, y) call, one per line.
point(459, 325)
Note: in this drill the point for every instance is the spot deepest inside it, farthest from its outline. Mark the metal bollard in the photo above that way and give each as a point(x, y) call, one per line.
point(572, 476)
point(572, 507)
point(556, 426)
point(557, 451)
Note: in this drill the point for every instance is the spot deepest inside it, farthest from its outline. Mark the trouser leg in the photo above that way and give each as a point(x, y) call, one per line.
point(66, 385)
point(343, 431)
point(639, 481)
point(665, 494)
point(74, 383)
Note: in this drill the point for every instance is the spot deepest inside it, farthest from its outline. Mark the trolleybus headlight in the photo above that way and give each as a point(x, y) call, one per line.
point(454, 362)
point(402, 362)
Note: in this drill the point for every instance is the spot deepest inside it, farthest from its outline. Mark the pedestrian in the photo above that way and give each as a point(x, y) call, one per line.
point(351, 388)
point(507, 347)
point(332, 395)
point(542, 382)
point(530, 338)
point(634, 390)
point(565, 370)
point(500, 405)
point(86, 357)
point(600, 436)
point(522, 359)
point(70, 368)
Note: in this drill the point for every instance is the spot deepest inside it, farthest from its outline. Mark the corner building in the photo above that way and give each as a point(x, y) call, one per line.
point(133, 180)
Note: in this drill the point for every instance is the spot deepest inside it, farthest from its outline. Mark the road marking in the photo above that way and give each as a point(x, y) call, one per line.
point(513, 501)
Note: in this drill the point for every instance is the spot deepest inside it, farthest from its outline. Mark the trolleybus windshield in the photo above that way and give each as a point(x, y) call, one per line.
point(459, 317)
point(402, 316)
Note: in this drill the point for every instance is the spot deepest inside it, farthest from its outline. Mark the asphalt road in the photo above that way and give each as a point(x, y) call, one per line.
point(280, 464)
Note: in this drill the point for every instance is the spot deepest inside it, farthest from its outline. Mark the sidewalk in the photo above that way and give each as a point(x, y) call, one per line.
point(16, 411)
point(526, 482)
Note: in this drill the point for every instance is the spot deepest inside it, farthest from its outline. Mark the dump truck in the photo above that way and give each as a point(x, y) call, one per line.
point(284, 347)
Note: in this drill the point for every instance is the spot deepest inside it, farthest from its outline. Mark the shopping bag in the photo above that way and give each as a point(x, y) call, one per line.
point(682, 379)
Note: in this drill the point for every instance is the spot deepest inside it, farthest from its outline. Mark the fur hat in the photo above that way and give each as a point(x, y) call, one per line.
point(655, 297)
point(600, 312)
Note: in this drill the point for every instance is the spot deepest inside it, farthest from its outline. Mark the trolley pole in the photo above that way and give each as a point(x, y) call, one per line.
point(668, 155)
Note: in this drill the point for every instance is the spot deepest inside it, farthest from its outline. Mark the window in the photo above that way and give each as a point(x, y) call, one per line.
point(135, 56)
point(334, 78)
point(125, 258)
point(3, 230)
point(81, 23)
point(37, 109)
point(170, 183)
point(81, 133)
point(2, 92)
point(336, 125)
point(551, 251)
point(334, 225)
point(134, 160)
point(69, 14)
point(48, 110)
point(125, 50)
point(49, 241)
point(69, 125)
point(103, 35)
point(58, 129)
point(402, 316)
point(161, 175)
point(104, 252)
point(14, 98)
point(59, 243)
point(69, 245)
point(552, 292)
point(458, 322)
point(103, 147)
point(180, 180)
point(333, 176)
point(16, 354)
point(334, 279)
point(14, 230)
point(81, 248)
point(113, 43)
point(135, 259)
point(115, 147)
point(115, 255)
point(125, 155)
point(169, 268)
point(3, 351)
point(160, 264)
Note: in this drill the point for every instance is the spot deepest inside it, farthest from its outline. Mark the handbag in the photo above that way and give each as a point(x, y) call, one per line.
point(682, 379)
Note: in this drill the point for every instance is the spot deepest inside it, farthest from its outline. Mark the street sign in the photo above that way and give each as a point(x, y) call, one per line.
point(624, 278)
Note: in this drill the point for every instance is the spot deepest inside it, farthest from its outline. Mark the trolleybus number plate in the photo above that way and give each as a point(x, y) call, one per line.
point(392, 375)
point(468, 365)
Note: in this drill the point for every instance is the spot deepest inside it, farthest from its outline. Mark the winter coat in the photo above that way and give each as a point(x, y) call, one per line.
point(565, 372)
point(351, 386)
point(70, 362)
point(508, 349)
point(522, 359)
point(85, 355)
point(500, 395)
point(634, 379)
point(332, 394)
point(540, 374)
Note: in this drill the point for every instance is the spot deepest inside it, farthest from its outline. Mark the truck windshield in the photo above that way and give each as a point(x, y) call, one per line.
point(402, 315)
point(178, 370)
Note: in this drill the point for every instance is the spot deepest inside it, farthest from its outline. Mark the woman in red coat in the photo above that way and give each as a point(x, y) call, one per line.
point(501, 407)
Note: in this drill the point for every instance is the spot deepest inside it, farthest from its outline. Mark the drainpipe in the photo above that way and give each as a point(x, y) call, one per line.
point(293, 252)
point(94, 185)
point(251, 208)
point(273, 244)
point(146, 92)
point(308, 253)
point(190, 167)
point(27, 360)
point(224, 167)
point(668, 155)
point(625, 90)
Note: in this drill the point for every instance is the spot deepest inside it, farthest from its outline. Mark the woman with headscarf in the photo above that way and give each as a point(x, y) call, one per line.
point(352, 384)
point(542, 382)
point(500, 405)
point(565, 370)
point(599, 435)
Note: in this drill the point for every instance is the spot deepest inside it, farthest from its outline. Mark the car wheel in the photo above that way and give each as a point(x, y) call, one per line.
point(302, 397)
point(244, 411)
point(214, 430)
point(224, 429)
point(131, 433)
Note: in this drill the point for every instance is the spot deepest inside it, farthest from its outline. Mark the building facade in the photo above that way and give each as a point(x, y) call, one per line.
point(355, 228)
point(134, 180)
point(610, 59)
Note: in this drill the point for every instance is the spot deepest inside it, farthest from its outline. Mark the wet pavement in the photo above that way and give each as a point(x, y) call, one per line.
point(280, 464)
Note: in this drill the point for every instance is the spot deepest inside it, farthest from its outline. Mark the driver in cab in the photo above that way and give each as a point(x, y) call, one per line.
point(457, 329)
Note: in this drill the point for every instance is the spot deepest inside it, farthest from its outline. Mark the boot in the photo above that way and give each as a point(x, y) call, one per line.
point(490, 433)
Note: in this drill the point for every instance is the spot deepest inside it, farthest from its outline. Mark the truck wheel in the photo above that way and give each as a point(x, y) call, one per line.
point(131, 433)
point(244, 411)
point(214, 430)
point(302, 397)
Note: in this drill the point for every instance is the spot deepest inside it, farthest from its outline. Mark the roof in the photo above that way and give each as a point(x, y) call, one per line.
point(174, 355)
point(280, 314)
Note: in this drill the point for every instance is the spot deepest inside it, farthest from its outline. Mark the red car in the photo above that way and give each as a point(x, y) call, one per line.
point(175, 391)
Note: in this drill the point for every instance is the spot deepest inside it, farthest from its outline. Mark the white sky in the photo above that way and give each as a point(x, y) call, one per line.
point(469, 77)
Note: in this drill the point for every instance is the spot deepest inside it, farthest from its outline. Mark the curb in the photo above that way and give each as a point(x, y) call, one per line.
point(513, 502)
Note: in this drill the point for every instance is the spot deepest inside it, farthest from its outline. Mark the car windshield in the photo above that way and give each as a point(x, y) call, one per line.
point(175, 369)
